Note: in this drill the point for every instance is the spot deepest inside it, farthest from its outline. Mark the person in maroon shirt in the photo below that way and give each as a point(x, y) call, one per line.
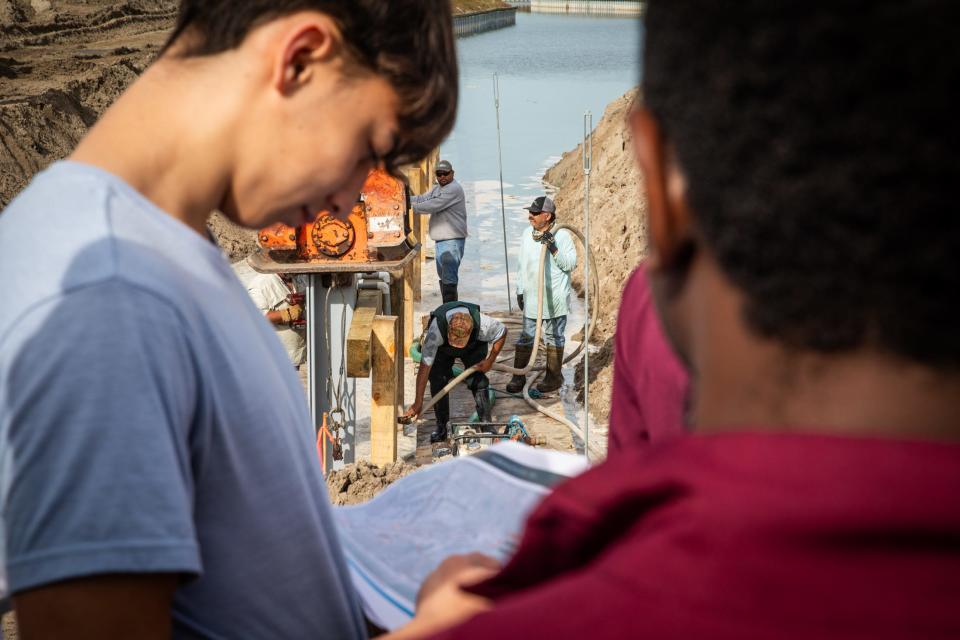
point(650, 384)
point(800, 164)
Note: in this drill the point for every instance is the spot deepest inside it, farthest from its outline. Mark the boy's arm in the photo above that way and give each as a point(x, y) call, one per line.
point(101, 412)
point(114, 606)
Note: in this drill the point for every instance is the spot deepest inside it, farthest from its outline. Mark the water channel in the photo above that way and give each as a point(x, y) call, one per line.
point(551, 69)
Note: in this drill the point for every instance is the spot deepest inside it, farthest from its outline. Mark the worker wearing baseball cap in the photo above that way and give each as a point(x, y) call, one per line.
point(447, 207)
point(560, 261)
point(457, 330)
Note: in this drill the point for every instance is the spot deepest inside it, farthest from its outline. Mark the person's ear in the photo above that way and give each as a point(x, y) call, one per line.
point(668, 214)
point(311, 39)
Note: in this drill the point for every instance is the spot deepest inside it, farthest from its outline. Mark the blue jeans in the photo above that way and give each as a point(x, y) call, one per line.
point(449, 253)
point(552, 331)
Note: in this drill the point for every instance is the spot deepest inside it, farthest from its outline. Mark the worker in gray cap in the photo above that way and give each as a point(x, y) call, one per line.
point(447, 208)
point(560, 260)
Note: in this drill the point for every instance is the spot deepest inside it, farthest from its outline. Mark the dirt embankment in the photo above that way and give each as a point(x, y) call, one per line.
point(469, 6)
point(618, 221)
point(62, 63)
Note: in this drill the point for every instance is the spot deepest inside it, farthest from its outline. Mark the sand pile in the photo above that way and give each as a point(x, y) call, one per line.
point(359, 482)
point(237, 242)
point(62, 63)
point(618, 218)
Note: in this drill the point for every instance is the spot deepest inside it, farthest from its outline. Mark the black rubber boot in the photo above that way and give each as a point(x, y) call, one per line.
point(554, 377)
point(521, 356)
point(442, 412)
point(448, 292)
point(484, 408)
point(440, 435)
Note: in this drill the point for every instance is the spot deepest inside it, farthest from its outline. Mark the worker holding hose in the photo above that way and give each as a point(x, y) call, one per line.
point(560, 261)
point(457, 330)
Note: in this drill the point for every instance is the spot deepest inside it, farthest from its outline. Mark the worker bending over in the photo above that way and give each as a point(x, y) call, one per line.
point(560, 261)
point(457, 330)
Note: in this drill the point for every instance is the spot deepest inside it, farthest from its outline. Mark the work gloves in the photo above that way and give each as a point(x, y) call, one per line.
point(547, 238)
point(520, 301)
point(291, 315)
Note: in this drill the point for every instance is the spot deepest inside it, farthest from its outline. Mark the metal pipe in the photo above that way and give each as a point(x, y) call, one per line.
point(384, 288)
point(503, 214)
point(587, 153)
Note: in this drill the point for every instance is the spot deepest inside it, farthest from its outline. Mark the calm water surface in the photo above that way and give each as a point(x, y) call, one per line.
point(552, 68)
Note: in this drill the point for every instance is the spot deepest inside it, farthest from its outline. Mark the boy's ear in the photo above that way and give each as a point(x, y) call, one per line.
point(670, 231)
point(309, 39)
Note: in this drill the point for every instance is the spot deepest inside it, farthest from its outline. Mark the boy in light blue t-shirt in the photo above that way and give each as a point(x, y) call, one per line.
point(156, 453)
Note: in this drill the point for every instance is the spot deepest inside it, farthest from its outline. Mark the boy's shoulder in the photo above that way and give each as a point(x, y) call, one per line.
point(76, 226)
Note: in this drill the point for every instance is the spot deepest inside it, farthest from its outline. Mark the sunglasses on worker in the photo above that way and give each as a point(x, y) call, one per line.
point(442, 174)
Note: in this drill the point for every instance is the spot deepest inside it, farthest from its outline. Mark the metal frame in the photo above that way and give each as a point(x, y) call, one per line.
point(326, 324)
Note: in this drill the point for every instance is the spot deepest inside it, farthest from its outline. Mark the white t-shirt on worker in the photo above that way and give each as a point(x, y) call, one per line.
point(269, 292)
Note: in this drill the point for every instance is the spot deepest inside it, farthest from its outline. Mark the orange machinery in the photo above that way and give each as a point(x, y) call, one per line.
point(373, 236)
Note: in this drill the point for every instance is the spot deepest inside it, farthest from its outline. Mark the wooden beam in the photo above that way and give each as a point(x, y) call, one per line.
point(398, 303)
point(383, 395)
point(417, 262)
point(359, 336)
point(408, 307)
point(424, 452)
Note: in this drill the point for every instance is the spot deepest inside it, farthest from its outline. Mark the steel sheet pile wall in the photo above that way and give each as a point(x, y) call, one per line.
point(473, 23)
point(595, 7)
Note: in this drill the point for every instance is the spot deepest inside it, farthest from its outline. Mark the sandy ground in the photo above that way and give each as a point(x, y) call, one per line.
point(61, 65)
point(618, 221)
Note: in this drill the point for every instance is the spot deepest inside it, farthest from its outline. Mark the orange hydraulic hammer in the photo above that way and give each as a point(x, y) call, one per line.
point(374, 230)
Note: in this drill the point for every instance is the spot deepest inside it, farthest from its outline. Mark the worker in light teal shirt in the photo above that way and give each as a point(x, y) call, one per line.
point(560, 261)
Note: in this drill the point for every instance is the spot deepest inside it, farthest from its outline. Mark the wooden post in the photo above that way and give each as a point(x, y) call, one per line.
point(408, 307)
point(358, 337)
point(424, 451)
point(383, 396)
point(397, 302)
point(416, 265)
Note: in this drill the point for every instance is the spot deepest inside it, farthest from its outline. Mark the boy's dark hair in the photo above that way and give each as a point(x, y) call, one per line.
point(821, 157)
point(410, 43)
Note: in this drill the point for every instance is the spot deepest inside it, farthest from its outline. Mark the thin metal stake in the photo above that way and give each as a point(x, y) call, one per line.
point(503, 214)
point(587, 153)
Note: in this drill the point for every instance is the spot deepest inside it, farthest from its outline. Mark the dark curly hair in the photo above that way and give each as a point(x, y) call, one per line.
point(410, 43)
point(821, 157)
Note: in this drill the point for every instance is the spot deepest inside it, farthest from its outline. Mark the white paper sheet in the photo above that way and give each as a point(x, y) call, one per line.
point(473, 503)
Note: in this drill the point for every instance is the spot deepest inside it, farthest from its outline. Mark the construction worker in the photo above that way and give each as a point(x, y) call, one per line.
point(560, 261)
point(271, 293)
point(447, 208)
point(457, 330)
point(158, 474)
